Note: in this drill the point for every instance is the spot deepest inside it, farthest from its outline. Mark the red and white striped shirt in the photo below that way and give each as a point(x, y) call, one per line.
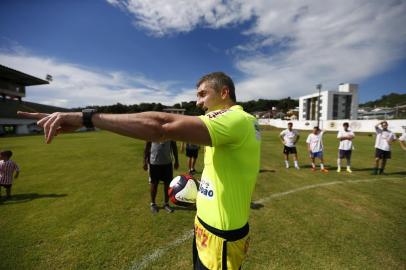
point(7, 169)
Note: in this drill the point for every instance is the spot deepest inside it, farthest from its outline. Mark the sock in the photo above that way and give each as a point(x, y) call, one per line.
point(296, 163)
point(348, 167)
point(322, 166)
point(339, 163)
point(313, 165)
point(287, 164)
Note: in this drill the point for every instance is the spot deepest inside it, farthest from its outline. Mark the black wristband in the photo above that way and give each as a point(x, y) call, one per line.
point(87, 117)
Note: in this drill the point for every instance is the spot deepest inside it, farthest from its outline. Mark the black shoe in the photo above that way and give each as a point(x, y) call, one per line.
point(154, 208)
point(168, 208)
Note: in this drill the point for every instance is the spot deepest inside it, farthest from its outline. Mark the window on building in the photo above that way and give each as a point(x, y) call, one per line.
point(335, 106)
point(9, 129)
point(347, 108)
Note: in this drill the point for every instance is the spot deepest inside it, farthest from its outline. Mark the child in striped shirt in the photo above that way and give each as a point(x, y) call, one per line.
point(7, 169)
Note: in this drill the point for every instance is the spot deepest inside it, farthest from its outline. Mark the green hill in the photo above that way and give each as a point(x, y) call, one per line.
point(391, 100)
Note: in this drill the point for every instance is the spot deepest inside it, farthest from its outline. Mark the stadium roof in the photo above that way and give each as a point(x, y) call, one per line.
point(19, 77)
point(9, 108)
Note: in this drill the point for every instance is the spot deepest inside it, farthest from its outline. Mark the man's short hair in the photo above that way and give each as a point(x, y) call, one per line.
point(346, 124)
point(217, 80)
point(290, 124)
point(384, 122)
point(6, 153)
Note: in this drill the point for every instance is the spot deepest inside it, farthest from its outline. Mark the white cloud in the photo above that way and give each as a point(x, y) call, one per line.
point(75, 86)
point(162, 17)
point(329, 42)
point(294, 44)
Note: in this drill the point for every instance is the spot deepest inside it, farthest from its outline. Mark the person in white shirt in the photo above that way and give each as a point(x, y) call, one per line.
point(289, 138)
point(315, 147)
point(384, 139)
point(345, 148)
point(402, 140)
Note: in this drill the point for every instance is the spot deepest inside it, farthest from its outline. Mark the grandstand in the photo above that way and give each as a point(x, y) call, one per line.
point(13, 85)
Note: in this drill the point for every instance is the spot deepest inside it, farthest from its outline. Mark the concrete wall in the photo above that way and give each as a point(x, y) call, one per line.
point(325, 105)
point(396, 126)
point(22, 126)
point(22, 129)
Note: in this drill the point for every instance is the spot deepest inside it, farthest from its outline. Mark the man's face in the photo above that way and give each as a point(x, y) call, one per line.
point(315, 131)
point(345, 127)
point(289, 127)
point(208, 98)
point(384, 125)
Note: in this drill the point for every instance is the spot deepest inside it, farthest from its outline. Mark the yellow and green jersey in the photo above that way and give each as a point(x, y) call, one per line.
point(231, 166)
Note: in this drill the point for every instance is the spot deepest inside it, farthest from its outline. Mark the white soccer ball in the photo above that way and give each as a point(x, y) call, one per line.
point(183, 190)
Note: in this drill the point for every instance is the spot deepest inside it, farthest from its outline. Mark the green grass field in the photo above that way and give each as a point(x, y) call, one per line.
point(83, 203)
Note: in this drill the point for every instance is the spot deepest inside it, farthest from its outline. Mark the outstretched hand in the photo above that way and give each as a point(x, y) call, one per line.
point(55, 123)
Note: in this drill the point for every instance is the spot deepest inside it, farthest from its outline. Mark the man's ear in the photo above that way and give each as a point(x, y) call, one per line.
point(225, 92)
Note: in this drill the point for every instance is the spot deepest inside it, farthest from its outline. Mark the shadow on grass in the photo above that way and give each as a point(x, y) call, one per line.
point(256, 206)
point(307, 166)
point(22, 198)
point(396, 173)
point(326, 165)
point(265, 170)
point(180, 208)
point(372, 169)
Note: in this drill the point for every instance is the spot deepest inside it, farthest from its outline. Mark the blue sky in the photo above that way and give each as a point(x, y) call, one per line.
point(104, 52)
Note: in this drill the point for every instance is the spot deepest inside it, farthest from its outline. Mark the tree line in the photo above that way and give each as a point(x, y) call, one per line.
point(260, 105)
point(391, 100)
point(251, 106)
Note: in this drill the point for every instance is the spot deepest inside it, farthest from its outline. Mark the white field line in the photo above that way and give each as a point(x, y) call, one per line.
point(276, 195)
point(148, 259)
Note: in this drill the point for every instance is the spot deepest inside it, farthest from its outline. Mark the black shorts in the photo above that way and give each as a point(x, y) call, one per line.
point(192, 153)
point(6, 186)
point(344, 154)
point(382, 154)
point(162, 173)
point(289, 150)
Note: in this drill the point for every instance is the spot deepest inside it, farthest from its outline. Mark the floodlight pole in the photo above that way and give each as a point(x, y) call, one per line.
point(318, 86)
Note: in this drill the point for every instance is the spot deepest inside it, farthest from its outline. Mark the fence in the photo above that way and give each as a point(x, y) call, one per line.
point(397, 126)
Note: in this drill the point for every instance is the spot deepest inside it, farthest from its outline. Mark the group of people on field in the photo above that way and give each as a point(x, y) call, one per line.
point(384, 139)
point(221, 230)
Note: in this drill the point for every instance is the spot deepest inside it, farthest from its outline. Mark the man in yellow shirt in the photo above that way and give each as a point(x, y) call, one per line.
point(231, 161)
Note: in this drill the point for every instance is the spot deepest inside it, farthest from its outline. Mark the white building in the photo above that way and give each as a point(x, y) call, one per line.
point(334, 105)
